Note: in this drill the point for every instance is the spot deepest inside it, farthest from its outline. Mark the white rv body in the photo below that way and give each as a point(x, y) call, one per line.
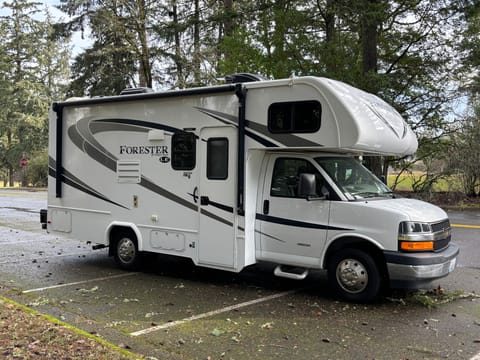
point(190, 173)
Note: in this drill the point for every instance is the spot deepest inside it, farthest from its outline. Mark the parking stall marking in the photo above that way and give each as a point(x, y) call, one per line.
point(466, 226)
point(78, 282)
point(213, 313)
point(42, 258)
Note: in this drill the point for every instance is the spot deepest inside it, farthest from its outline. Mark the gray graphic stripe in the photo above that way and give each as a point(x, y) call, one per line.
point(98, 127)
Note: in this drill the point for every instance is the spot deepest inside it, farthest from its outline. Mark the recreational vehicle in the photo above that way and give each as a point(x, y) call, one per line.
point(245, 172)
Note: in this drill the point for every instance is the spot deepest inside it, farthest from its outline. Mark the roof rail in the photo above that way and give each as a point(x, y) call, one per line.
point(139, 90)
point(242, 78)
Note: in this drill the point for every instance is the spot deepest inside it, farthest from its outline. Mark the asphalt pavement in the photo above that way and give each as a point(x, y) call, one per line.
point(174, 310)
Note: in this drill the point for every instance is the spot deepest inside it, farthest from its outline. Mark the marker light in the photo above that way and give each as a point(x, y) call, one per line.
point(416, 245)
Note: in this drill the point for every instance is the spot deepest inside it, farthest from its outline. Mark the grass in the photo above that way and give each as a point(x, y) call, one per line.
point(437, 297)
point(27, 334)
point(406, 181)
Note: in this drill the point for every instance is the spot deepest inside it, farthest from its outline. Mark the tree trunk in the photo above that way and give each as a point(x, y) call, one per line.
point(228, 20)
point(329, 17)
point(145, 71)
point(196, 45)
point(369, 27)
point(178, 49)
point(11, 183)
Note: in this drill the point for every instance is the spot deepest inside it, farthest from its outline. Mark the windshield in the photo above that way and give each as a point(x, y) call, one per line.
point(353, 179)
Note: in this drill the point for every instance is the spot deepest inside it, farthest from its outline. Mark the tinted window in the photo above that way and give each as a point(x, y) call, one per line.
point(183, 151)
point(217, 158)
point(353, 179)
point(294, 117)
point(286, 174)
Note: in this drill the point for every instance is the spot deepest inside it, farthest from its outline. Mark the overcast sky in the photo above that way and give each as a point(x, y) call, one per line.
point(77, 42)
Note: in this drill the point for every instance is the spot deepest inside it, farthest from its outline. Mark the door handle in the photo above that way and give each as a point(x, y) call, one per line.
point(266, 207)
point(204, 200)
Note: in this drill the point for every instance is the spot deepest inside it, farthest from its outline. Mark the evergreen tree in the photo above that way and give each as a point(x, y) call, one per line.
point(31, 66)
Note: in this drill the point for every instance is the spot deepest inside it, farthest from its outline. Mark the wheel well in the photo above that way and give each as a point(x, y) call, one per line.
point(360, 244)
point(116, 233)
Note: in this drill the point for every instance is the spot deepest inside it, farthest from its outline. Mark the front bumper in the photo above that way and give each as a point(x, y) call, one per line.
point(417, 270)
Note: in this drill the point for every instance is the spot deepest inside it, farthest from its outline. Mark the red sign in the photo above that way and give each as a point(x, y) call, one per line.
point(23, 162)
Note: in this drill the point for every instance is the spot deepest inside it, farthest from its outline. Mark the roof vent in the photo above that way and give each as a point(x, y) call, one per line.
point(139, 90)
point(243, 78)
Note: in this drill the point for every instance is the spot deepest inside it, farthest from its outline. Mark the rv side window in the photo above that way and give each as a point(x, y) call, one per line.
point(294, 117)
point(217, 158)
point(286, 174)
point(183, 151)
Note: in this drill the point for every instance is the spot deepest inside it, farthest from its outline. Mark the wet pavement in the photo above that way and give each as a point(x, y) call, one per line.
point(174, 310)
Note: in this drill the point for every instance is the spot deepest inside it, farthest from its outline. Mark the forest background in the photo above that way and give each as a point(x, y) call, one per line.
point(421, 56)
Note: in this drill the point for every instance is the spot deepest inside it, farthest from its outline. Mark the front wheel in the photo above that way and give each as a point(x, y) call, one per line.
point(354, 275)
point(126, 252)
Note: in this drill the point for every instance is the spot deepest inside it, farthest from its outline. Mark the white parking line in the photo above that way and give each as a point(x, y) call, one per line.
point(78, 283)
point(20, 242)
point(41, 258)
point(212, 313)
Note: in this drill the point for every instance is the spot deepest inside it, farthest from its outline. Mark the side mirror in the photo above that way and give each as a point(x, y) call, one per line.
point(307, 188)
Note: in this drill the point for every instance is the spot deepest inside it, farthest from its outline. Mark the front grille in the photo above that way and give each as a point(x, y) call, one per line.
point(441, 226)
point(441, 244)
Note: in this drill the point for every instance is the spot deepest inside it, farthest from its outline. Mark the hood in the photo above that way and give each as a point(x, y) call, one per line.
point(412, 209)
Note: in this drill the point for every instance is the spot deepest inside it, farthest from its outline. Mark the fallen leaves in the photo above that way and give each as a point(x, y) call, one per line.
point(218, 332)
point(26, 335)
point(88, 291)
point(267, 325)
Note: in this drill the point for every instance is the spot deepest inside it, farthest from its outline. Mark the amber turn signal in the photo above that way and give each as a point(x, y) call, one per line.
point(416, 245)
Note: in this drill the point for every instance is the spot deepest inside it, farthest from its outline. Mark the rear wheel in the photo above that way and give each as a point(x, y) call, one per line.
point(354, 275)
point(126, 252)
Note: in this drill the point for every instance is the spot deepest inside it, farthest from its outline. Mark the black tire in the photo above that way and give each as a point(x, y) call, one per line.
point(126, 252)
point(354, 275)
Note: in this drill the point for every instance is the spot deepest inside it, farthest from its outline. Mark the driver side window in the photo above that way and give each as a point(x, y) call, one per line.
point(286, 174)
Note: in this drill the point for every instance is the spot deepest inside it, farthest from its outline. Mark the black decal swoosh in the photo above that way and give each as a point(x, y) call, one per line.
point(216, 217)
point(150, 185)
point(76, 183)
point(270, 236)
point(288, 140)
point(296, 223)
point(226, 208)
point(81, 135)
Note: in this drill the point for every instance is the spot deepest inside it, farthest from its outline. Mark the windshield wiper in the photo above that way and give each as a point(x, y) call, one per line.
point(370, 194)
point(391, 193)
point(367, 194)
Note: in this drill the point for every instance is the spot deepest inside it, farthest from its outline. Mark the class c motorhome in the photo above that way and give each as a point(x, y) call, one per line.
point(242, 173)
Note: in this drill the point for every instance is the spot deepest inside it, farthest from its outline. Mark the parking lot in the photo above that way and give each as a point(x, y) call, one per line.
point(174, 310)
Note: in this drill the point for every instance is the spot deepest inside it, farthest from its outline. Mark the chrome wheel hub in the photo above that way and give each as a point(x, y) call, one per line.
point(352, 275)
point(126, 250)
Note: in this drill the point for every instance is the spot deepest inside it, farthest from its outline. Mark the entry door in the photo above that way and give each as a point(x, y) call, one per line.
point(293, 229)
point(217, 191)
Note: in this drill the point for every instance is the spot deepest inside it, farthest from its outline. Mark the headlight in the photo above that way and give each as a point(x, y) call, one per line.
point(415, 236)
point(409, 227)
